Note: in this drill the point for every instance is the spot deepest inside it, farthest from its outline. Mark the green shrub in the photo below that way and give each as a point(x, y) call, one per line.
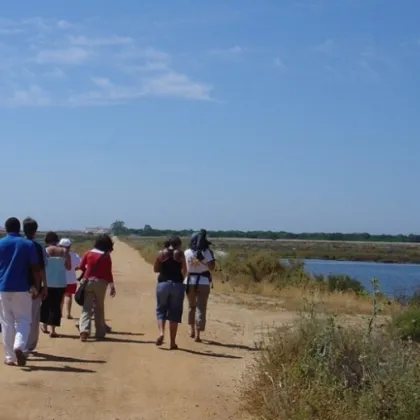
point(406, 324)
point(320, 371)
point(342, 283)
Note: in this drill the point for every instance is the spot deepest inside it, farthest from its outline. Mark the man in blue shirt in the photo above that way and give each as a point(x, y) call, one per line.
point(17, 255)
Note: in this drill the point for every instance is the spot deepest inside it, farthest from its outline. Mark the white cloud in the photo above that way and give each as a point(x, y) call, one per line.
point(326, 47)
point(52, 64)
point(278, 63)
point(170, 84)
point(70, 55)
point(63, 24)
point(55, 73)
point(95, 42)
point(177, 84)
point(232, 52)
point(34, 96)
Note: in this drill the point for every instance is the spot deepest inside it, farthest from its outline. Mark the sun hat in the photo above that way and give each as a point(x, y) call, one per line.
point(65, 242)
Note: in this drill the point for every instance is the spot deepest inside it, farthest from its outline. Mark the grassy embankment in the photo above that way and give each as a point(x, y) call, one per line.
point(318, 370)
point(258, 271)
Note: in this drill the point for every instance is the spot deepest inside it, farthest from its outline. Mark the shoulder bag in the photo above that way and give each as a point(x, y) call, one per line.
point(79, 296)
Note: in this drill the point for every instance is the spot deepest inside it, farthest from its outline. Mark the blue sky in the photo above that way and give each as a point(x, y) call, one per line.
point(298, 115)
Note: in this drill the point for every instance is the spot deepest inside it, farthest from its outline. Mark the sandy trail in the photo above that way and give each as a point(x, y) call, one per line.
point(127, 377)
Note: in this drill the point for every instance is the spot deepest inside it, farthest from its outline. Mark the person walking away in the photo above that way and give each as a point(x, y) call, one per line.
point(96, 265)
point(30, 228)
point(17, 255)
point(171, 266)
point(58, 262)
point(200, 262)
point(71, 276)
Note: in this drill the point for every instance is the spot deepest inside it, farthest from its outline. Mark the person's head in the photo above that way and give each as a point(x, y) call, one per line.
point(51, 238)
point(167, 243)
point(104, 243)
point(65, 243)
point(175, 242)
point(12, 225)
point(30, 227)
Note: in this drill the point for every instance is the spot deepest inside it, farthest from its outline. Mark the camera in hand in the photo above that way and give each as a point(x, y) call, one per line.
point(199, 243)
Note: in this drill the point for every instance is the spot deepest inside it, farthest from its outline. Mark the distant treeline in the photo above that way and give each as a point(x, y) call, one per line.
point(119, 228)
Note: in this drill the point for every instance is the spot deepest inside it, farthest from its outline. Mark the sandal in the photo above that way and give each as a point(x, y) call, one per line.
point(44, 329)
point(159, 341)
point(9, 363)
point(83, 336)
point(173, 347)
point(54, 335)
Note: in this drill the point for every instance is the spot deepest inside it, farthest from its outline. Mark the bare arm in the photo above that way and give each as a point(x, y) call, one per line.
point(156, 265)
point(183, 265)
point(211, 265)
point(37, 274)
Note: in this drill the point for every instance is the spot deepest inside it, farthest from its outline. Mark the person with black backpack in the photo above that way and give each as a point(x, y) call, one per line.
point(200, 263)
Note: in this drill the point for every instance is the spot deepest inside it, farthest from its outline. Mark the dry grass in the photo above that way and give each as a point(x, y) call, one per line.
point(322, 370)
point(294, 298)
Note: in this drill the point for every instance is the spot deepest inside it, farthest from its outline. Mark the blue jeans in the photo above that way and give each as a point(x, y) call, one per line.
point(170, 301)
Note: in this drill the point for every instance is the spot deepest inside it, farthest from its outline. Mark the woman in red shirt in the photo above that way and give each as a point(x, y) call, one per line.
point(97, 267)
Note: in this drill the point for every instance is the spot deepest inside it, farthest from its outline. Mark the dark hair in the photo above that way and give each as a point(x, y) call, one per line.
point(30, 227)
point(104, 243)
point(51, 238)
point(12, 225)
point(167, 243)
point(175, 242)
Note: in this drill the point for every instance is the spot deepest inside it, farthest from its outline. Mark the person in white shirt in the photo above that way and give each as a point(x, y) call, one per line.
point(200, 262)
point(71, 276)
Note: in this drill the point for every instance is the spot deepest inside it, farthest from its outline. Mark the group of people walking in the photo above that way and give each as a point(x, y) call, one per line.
point(37, 281)
point(179, 274)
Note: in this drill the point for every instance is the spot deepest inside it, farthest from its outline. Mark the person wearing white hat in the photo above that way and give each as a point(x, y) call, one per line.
point(70, 276)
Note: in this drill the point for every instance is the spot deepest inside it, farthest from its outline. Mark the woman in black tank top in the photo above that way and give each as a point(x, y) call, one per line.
point(171, 266)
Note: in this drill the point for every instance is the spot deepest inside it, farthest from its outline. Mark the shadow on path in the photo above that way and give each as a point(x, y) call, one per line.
point(64, 359)
point(206, 353)
point(109, 339)
point(61, 369)
point(230, 346)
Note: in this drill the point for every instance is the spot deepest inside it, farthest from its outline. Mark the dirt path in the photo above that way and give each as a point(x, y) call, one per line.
point(126, 377)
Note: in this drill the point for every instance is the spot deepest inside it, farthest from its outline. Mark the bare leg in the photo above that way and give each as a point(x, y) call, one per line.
point(161, 327)
point(53, 333)
point(69, 301)
point(173, 329)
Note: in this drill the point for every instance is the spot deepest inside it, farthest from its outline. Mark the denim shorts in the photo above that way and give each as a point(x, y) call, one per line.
point(170, 301)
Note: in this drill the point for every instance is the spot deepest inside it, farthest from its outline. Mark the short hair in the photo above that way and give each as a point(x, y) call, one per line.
point(175, 242)
point(104, 243)
point(167, 243)
point(51, 238)
point(30, 226)
point(12, 225)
